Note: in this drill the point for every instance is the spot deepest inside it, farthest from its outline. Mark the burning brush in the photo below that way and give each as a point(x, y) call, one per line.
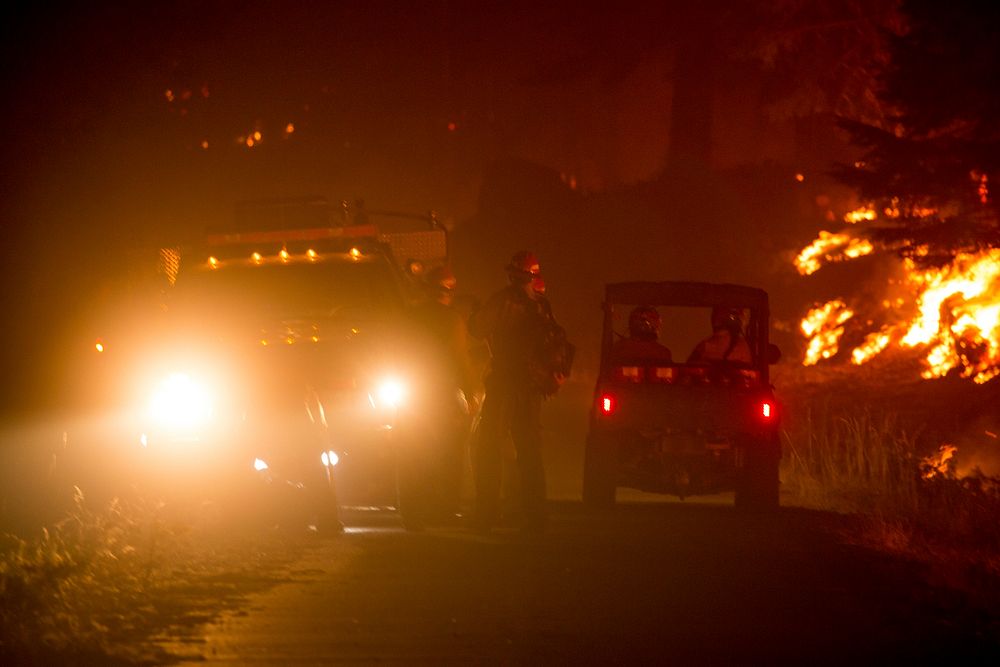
point(951, 313)
point(940, 464)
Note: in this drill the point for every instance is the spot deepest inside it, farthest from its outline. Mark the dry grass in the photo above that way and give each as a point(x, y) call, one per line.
point(99, 585)
point(79, 583)
point(851, 464)
point(872, 467)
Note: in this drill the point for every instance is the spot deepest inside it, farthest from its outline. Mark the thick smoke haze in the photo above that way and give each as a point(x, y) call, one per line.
point(619, 143)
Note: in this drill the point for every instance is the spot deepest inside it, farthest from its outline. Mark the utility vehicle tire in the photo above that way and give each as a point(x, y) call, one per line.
point(757, 483)
point(599, 473)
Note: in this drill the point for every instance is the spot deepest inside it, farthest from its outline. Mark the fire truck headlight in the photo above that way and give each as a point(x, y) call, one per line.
point(259, 465)
point(180, 402)
point(329, 458)
point(391, 392)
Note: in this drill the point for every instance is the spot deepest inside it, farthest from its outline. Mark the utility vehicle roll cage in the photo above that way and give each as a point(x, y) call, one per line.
point(691, 294)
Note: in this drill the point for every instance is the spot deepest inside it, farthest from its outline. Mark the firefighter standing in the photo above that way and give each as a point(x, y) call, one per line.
point(515, 321)
point(456, 390)
point(434, 475)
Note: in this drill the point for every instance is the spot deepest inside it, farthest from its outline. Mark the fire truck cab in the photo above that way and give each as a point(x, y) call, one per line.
point(281, 355)
point(684, 428)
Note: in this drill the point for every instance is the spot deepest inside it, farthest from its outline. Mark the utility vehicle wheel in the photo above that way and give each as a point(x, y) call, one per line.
point(599, 473)
point(757, 483)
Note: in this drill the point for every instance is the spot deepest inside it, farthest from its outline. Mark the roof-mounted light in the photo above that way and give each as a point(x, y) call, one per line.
point(257, 258)
point(355, 252)
point(213, 262)
point(312, 255)
point(286, 235)
point(284, 255)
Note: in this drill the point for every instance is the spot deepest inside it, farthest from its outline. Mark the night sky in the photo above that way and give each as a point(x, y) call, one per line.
point(642, 141)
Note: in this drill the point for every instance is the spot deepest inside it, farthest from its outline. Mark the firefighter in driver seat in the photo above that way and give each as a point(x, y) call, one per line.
point(727, 342)
point(643, 342)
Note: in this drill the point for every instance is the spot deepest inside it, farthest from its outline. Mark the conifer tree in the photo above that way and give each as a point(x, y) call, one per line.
point(932, 172)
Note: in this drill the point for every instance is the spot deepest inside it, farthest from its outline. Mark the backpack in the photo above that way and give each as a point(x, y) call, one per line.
point(552, 360)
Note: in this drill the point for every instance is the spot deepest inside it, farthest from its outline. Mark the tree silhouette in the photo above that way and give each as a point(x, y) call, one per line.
point(931, 171)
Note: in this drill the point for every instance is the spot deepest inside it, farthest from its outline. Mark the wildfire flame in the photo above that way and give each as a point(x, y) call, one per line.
point(830, 247)
point(874, 343)
point(959, 316)
point(863, 214)
point(956, 324)
point(823, 326)
point(940, 463)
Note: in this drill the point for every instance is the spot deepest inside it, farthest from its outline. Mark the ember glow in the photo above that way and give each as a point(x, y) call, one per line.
point(823, 326)
point(983, 186)
point(938, 464)
point(830, 247)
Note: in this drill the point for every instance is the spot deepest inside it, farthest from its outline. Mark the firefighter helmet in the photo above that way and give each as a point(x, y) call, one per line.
point(644, 323)
point(727, 317)
point(523, 267)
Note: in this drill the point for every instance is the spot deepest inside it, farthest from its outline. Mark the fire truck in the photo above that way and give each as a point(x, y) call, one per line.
point(280, 357)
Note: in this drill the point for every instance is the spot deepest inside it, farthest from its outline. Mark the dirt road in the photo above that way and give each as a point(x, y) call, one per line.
point(665, 583)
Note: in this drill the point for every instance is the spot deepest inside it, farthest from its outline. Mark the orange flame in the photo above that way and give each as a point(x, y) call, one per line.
point(863, 214)
point(940, 464)
point(823, 326)
point(959, 316)
point(982, 186)
point(830, 247)
point(957, 321)
point(874, 343)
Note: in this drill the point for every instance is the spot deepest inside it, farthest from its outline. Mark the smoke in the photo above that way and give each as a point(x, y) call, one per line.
point(979, 449)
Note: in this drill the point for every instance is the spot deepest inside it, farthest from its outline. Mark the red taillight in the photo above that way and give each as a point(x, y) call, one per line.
point(766, 410)
point(607, 404)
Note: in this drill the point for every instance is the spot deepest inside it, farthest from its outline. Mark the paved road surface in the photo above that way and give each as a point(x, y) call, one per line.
point(665, 583)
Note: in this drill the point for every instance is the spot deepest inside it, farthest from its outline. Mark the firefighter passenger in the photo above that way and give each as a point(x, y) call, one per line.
point(515, 322)
point(643, 342)
point(727, 342)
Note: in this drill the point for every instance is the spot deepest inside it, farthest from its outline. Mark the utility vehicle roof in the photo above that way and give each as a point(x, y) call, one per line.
point(680, 293)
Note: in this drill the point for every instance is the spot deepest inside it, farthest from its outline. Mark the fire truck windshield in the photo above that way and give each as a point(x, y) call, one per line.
point(322, 289)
